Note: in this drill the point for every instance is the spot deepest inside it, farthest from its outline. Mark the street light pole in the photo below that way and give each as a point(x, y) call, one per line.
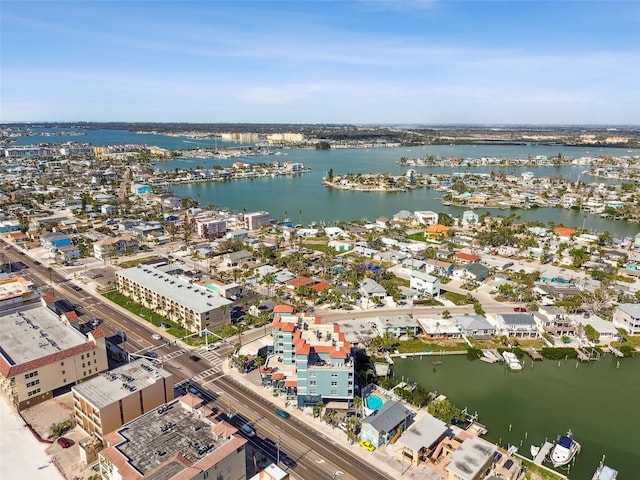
point(278, 451)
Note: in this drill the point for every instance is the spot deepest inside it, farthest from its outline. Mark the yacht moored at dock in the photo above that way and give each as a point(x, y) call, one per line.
point(512, 361)
point(564, 450)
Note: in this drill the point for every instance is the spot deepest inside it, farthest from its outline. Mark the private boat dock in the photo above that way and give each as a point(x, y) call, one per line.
point(491, 356)
point(585, 355)
point(615, 351)
point(543, 453)
point(533, 353)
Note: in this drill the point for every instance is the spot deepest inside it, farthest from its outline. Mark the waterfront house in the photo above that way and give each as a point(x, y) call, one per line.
point(475, 326)
point(396, 325)
point(472, 460)
point(627, 316)
point(426, 217)
point(607, 331)
point(438, 328)
point(389, 420)
point(518, 325)
point(420, 440)
point(469, 217)
point(555, 321)
point(425, 283)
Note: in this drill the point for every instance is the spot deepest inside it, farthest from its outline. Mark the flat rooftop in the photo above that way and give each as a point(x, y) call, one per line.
point(32, 333)
point(110, 387)
point(321, 335)
point(13, 287)
point(156, 436)
point(199, 299)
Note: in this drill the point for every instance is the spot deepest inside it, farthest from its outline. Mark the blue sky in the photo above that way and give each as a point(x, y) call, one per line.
point(305, 61)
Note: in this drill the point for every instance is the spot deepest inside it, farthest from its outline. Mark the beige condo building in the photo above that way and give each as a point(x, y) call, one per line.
point(40, 353)
point(108, 401)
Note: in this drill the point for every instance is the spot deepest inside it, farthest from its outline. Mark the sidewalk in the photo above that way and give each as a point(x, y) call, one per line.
point(386, 458)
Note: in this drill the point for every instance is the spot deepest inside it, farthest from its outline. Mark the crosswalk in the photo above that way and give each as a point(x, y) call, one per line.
point(171, 355)
point(214, 359)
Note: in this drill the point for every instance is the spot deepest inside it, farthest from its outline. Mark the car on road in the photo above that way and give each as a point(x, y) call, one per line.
point(151, 354)
point(520, 309)
point(95, 322)
point(195, 358)
point(37, 263)
point(156, 336)
point(247, 430)
point(64, 442)
point(282, 413)
point(77, 288)
point(213, 346)
point(366, 444)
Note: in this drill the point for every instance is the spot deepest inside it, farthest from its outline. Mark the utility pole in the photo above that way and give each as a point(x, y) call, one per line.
point(278, 451)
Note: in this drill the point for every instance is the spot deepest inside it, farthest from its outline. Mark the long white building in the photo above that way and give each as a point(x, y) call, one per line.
point(192, 306)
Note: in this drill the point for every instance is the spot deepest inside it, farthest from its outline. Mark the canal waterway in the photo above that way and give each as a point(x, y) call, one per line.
point(597, 401)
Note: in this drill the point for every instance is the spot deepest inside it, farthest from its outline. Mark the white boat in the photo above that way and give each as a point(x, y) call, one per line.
point(534, 451)
point(605, 473)
point(564, 450)
point(512, 360)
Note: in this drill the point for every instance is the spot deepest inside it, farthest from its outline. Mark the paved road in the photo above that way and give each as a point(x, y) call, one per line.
point(315, 456)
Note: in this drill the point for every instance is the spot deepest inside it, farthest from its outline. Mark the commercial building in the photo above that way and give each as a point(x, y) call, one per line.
point(16, 292)
point(192, 306)
point(108, 401)
point(115, 247)
point(316, 360)
point(256, 220)
point(40, 353)
point(176, 440)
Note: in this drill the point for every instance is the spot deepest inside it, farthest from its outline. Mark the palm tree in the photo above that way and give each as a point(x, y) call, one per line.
point(357, 403)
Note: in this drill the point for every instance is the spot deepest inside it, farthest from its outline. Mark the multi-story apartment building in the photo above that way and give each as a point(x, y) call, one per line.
point(115, 247)
point(627, 316)
point(425, 283)
point(106, 402)
point(181, 440)
point(318, 357)
point(209, 227)
point(256, 220)
point(39, 353)
point(192, 306)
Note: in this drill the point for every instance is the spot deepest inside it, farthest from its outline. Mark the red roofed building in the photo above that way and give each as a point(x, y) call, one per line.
point(40, 353)
point(564, 232)
point(467, 257)
point(318, 359)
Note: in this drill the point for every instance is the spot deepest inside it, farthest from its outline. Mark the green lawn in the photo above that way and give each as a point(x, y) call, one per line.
point(457, 298)
point(136, 262)
point(419, 236)
point(420, 344)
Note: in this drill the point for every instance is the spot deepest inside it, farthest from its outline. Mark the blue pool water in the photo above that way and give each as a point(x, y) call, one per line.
point(374, 402)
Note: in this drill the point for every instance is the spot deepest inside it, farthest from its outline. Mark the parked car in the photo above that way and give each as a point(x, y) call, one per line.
point(156, 336)
point(520, 309)
point(64, 442)
point(366, 444)
point(151, 354)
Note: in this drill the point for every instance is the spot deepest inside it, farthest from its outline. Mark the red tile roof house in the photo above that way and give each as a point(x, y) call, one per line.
point(466, 258)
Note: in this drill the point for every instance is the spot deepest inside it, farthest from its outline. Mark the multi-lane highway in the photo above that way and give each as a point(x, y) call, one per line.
point(308, 453)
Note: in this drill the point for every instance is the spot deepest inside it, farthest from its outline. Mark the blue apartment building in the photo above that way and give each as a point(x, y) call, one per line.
point(311, 361)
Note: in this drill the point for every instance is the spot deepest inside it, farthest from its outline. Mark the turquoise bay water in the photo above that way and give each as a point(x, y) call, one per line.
point(597, 401)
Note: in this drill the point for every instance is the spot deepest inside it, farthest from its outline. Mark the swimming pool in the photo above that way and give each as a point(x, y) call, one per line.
point(373, 402)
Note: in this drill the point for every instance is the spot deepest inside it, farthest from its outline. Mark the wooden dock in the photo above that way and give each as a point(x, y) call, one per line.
point(543, 453)
point(533, 353)
point(615, 351)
